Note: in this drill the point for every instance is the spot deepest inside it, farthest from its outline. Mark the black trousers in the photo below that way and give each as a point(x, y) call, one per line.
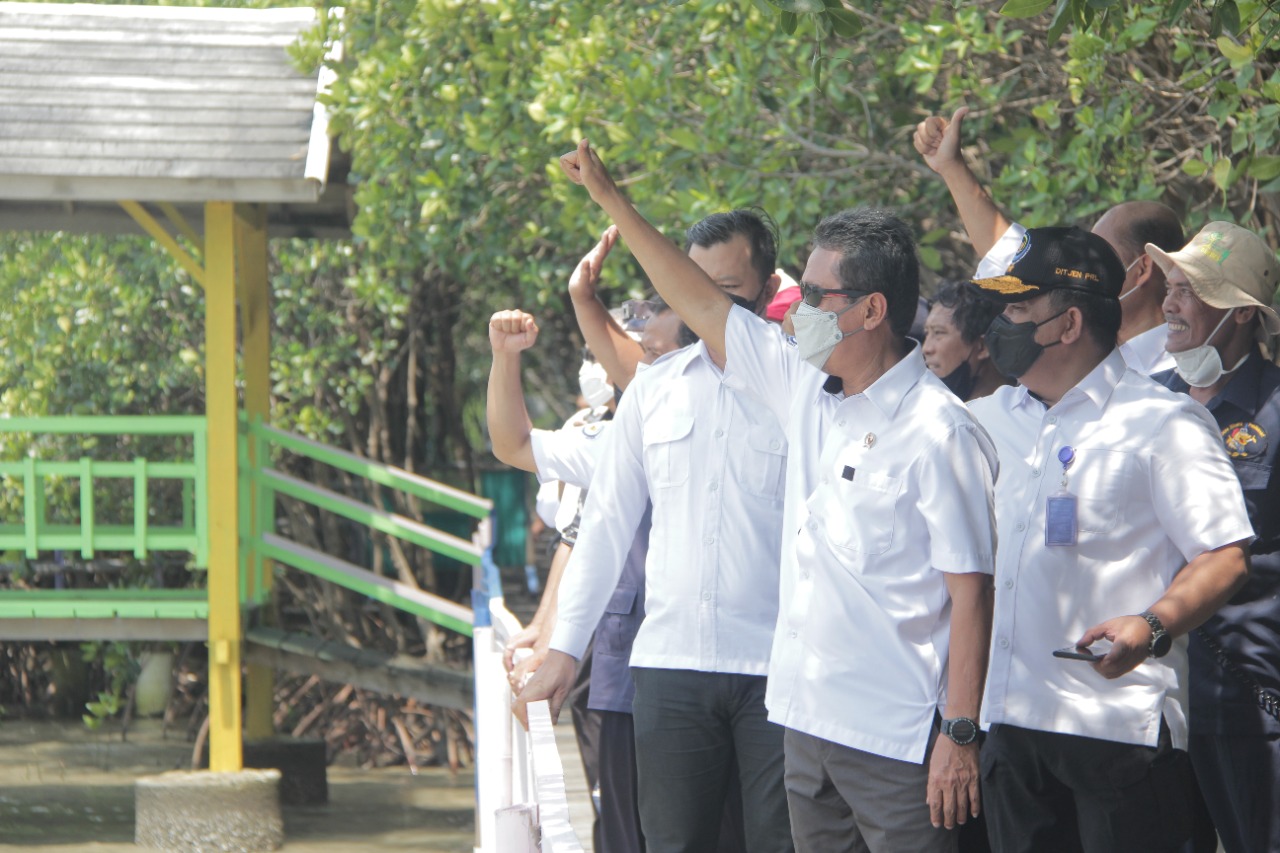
point(1053, 793)
point(619, 811)
point(1240, 779)
point(690, 728)
point(586, 729)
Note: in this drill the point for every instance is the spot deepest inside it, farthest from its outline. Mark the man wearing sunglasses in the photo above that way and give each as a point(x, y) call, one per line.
point(881, 642)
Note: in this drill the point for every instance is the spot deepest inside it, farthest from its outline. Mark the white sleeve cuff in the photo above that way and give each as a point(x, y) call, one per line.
point(571, 639)
point(996, 261)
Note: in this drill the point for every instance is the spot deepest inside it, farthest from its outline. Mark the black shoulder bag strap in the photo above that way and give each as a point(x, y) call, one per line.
point(1267, 701)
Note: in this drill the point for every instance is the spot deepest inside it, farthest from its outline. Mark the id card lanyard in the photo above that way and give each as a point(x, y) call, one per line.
point(1060, 510)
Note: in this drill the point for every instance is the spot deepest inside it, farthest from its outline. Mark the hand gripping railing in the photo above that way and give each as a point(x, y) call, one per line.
point(521, 805)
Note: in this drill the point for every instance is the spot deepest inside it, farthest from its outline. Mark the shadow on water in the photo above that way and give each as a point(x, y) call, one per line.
point(63, 787)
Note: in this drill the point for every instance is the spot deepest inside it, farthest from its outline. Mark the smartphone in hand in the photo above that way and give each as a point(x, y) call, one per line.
point(1082, 653)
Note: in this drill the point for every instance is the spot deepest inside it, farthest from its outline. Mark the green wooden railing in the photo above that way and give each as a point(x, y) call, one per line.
point(260, 542)
point(261, 484)
point(35, 533)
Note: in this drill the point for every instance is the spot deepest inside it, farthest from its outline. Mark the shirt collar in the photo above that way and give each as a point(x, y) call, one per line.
point(888, 392)
point(1096, 386)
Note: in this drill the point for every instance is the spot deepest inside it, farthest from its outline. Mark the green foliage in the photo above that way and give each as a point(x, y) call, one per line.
point(119, 663)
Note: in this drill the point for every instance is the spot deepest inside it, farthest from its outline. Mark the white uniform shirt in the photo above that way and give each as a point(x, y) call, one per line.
point(1144, 352)
point(1154, 489)
point(886, 491)
point(569, 455)
point(713, 462)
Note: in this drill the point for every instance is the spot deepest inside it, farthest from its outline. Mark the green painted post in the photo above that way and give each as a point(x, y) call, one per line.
point(202, 498)
point(30, 506)
point(264, 505)
point(140, 508)
point(86, 507)
point(244, 515)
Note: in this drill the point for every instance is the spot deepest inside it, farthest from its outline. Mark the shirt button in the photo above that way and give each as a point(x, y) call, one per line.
point(1021, 527)
point(791, 634)
point(840, 422)
point(710, 540)
point(719, 433)
point(1035, 472)
point(804, 576)
point(1053, 419)
point(714, 485)
point(774, 444)
point(1004, 643)
point(706, 596)
point(1008, 584)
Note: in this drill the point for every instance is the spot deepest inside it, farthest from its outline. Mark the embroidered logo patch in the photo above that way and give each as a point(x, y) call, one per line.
point(592, 430)
point(1244, 440)
point(1023, 248)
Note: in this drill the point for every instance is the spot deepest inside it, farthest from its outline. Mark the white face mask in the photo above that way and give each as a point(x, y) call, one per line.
point(1136, 286)
point(642, 366)
point(818, 332)
point(1201, 366)
point(593, 382)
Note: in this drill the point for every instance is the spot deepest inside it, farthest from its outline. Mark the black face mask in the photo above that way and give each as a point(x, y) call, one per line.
point(960, 380)
point(1013, 345)
point(742, 302)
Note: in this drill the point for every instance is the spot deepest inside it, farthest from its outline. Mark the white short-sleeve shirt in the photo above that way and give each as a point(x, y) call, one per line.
point(1154, 489)
point(712, 462)
point(886, 491)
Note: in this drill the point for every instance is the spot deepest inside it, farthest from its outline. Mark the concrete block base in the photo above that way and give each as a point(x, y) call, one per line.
point(205, 812)
point(302, 763)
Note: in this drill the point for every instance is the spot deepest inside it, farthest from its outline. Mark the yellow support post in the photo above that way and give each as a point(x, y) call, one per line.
point(225, 746)
point(255, 331)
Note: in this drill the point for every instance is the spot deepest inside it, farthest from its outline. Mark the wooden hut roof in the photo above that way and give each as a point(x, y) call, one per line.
point(181, 105)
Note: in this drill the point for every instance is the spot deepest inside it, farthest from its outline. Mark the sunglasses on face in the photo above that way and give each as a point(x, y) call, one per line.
point(813, 295)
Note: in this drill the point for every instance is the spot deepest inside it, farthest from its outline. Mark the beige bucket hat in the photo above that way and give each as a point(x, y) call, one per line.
point(1227, 267)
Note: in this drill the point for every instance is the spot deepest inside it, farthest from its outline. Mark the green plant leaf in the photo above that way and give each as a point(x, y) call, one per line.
point(1222, 173)
point(1265, 168)
point(1024, 8)
point(788, 21)
point(1236, 54)
point(1061, 17)
point(1195, 168)
point(846, 24)
point(799, 7)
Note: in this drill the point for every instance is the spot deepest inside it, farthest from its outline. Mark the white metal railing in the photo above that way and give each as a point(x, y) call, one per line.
point(521, 804)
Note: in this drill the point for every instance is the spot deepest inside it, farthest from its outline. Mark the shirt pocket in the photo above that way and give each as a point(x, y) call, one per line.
point(617, 630)
point(668, 450)
point(861, 516)
point(1098, 479)
point(762, 469)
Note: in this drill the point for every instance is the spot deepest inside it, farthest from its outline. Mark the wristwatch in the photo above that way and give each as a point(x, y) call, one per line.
point(962, 730)
point(1161, 642)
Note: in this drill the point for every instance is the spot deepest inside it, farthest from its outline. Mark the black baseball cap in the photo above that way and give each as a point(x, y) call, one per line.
point(1056, 259)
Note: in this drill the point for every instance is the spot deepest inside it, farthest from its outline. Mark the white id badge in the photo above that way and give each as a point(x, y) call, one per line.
point(1060, 526)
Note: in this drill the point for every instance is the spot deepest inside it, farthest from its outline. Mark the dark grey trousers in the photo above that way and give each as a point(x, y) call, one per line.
point(844, 800)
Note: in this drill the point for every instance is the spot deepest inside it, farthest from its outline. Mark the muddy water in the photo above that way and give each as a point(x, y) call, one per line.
point(65, 788)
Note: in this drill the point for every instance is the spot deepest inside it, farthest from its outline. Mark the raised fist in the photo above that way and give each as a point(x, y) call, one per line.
point(512, 331)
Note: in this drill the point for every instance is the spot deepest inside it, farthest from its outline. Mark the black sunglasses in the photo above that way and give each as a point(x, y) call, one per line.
point(813, 295)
